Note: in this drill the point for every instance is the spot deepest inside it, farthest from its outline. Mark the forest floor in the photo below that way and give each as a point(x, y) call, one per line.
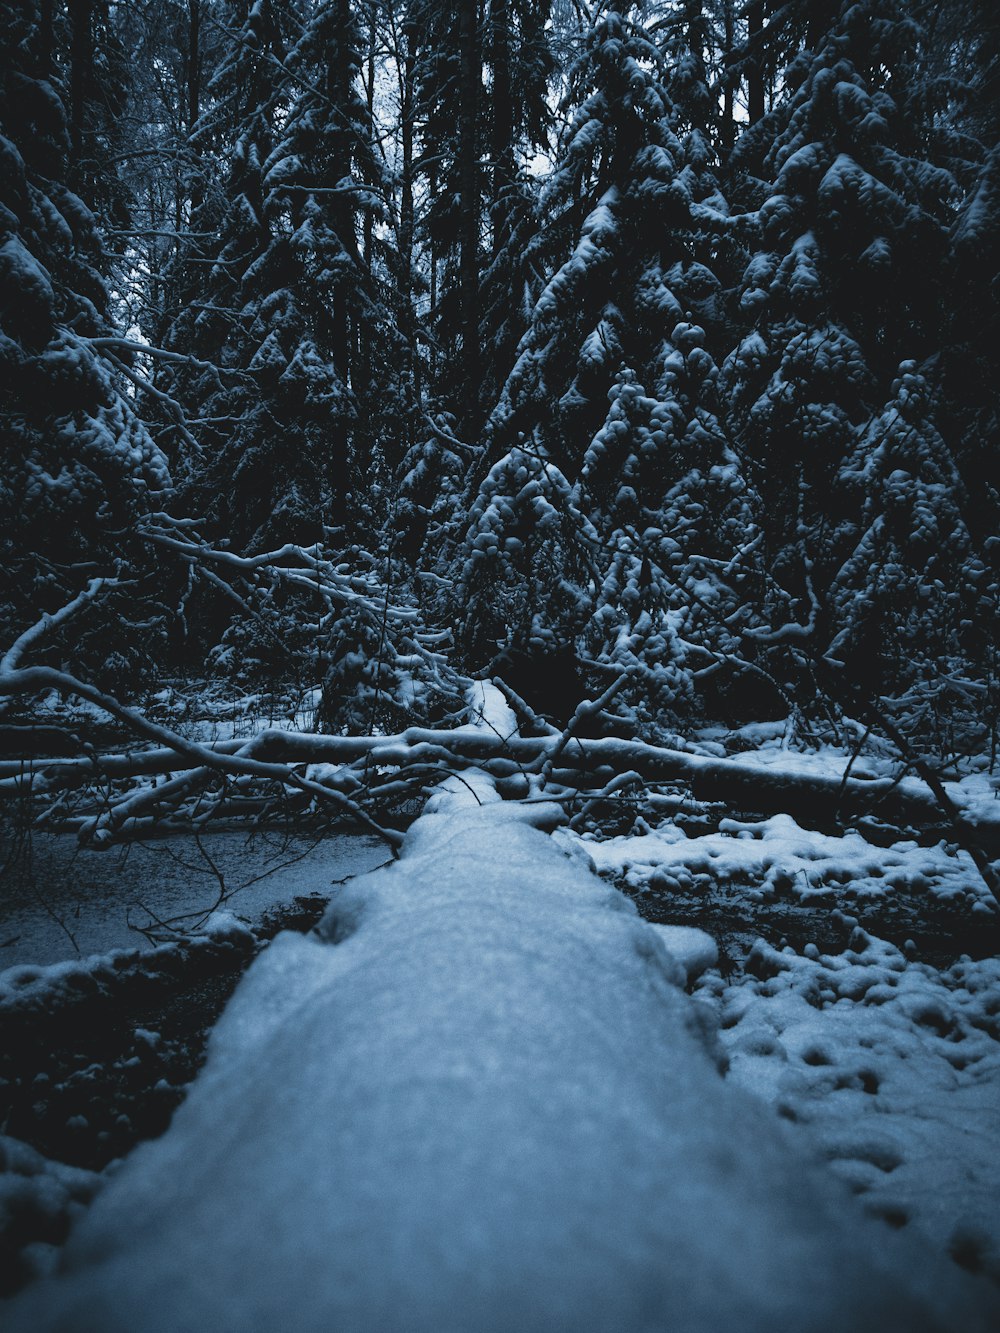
point(856, 991)
point(869, 1019)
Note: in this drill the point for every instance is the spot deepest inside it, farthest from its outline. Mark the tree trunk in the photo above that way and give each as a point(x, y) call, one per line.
point(46, 38)
point(368, 224)
point(755, 64)
point(406, 207)
point(502, 138)
point(193, 64)
point(470, 77)
point(819, 800)
point(729, 77)
point(81, 66)
point(339, 93)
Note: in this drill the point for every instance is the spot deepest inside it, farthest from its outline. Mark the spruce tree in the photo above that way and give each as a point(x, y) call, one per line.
point(482, 76)
point(614, 511)
point(845, 286)
point(293, 315)
point(904, 603)
point(236, 471)
point(79, 467)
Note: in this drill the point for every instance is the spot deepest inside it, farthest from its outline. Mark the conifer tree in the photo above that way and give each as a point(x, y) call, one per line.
point(520, 66)
point(970, 392)
point(482, 76)
point(293, 315)
point(606, 517)
point(237, 473)
point(844, 287)
point(78, 465)
point(904, 604)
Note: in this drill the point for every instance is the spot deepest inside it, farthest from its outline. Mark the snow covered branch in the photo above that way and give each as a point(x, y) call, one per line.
point(585, 771)
point(10, 662)
point(184, 753)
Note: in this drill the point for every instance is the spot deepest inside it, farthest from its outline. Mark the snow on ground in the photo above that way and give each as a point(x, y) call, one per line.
point(692, 948)
point(888, 1066)
point(204, 714)
point(39, 1199)
point(893, 1069)
point(777, 857)
point(481, 1100)
point(27, 988)
point(765, 746)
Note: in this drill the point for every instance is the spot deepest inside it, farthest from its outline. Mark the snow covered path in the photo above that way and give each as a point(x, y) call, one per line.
point(480, 1100)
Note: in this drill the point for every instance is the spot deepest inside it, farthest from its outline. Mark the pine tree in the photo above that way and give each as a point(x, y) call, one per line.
point(845, 287)
point(904, 604)
point(78, 465)
point(520, 64)
point(482, 75)
point(293, 313)
point(235, 464)
point(969, 392)
point(427, 495)
point(620, 524)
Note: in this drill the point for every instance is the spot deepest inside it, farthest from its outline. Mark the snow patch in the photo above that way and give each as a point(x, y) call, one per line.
point(779, 857)
point(694, 949)
point(892, 1070)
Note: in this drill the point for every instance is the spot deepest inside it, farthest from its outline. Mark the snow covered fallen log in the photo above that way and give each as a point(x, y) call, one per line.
point(481, 1100)
point(816, 796)
point(278, 756)
point(772, 788)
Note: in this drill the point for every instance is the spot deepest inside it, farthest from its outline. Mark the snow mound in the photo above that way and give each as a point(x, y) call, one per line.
point(39, 1199)
point(28, 992)
point(694, 949)
point(786, 860)
point(479, 1100)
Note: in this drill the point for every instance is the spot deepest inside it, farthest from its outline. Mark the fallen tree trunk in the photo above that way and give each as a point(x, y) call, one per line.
point(345, 771)
point(479, 1098)
point(809, 798)
point(772, 789)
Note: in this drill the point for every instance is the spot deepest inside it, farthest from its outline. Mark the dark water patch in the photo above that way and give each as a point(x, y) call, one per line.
point(58, 901)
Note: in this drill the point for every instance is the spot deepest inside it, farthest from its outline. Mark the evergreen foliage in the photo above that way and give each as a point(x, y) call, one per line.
point(637, 558)
point(843, 288)
point(79, 466)
point(651, 344)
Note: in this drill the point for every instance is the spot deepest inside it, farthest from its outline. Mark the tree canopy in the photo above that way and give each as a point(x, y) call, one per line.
point(636, 352)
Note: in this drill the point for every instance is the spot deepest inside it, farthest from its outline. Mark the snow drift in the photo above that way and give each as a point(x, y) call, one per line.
point(481, 1100)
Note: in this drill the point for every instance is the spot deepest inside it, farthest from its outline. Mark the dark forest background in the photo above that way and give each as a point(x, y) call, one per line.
point(644, 353)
